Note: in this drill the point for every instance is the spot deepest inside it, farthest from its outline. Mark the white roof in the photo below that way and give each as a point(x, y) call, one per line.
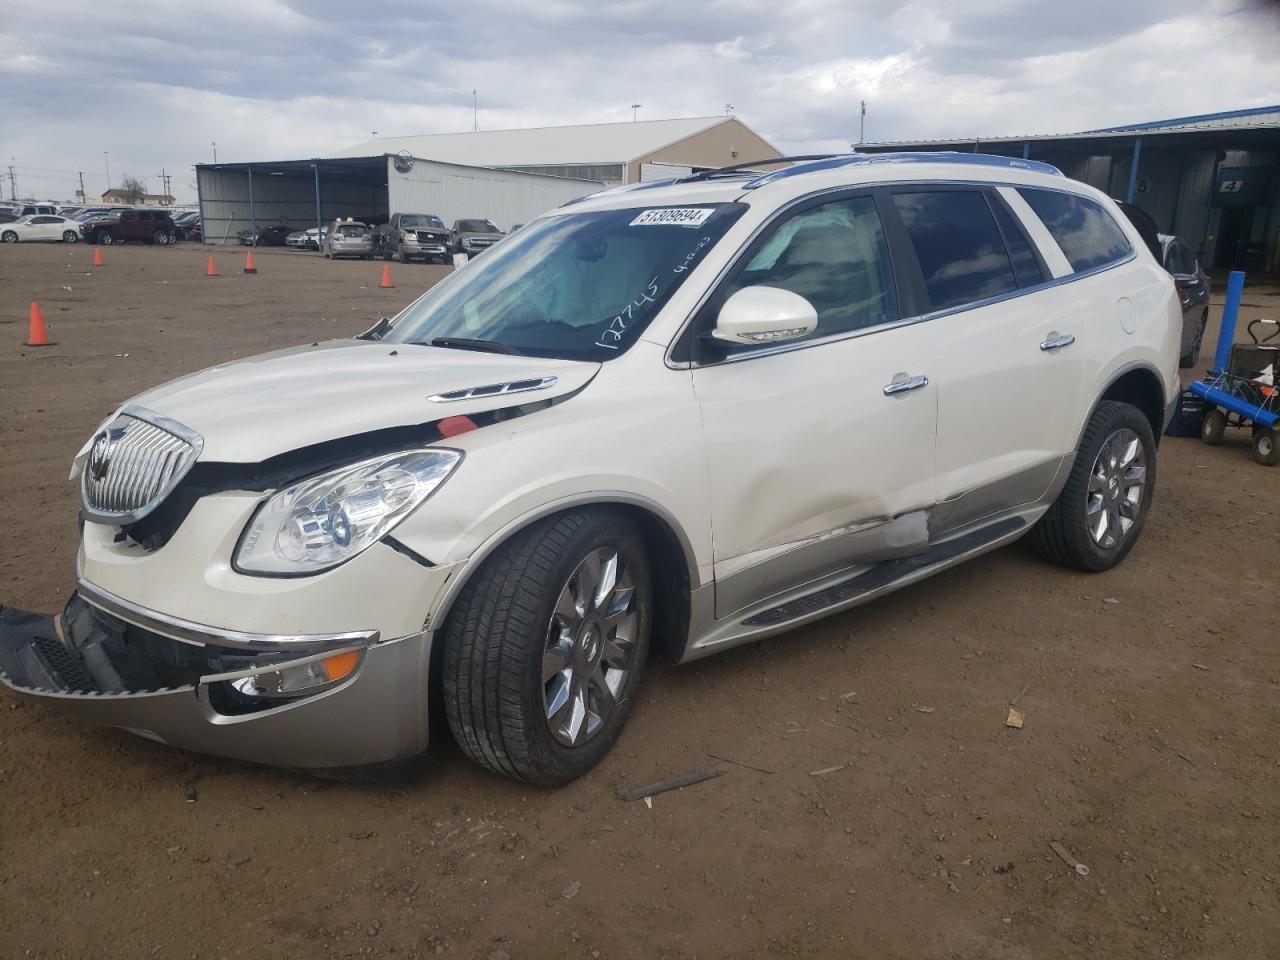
point(542, 146)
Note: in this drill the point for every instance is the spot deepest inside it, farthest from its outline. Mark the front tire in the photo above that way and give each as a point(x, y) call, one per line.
point(105, 238)
point(1100, 513)
point(1213, 427)
point(545, 647)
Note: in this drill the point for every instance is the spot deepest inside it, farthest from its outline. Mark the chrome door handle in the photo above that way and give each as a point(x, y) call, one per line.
point(902, 386)
point(1057, 343)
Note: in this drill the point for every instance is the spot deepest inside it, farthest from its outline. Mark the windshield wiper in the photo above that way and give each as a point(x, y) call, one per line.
point(466, 343)
point(377, 331)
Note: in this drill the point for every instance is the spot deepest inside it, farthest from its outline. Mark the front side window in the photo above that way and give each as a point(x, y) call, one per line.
point(835, 256)
point(958, 245)
point(579, 286)
point(1087, 234)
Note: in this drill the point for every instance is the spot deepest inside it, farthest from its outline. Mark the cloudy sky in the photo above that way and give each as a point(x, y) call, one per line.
point(156, 83)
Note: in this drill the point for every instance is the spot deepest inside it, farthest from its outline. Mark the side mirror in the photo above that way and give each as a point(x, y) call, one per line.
point(765, 315)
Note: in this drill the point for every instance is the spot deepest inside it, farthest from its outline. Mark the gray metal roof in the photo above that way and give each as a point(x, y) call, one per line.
point(544, 146)
point(1254, 118)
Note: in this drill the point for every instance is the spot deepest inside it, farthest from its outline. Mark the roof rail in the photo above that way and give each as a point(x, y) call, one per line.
point(938, 156)
point(735, 167)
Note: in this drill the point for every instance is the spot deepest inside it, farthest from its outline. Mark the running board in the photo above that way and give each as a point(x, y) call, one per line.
point(859, 588)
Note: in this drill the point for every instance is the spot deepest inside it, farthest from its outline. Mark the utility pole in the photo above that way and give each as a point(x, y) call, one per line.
point(635, 109)
point(83, 195)
point(475, 112)
point(106, 158)
point(13, 184)
point(214, 144)
point(862, 123)
point(728, 109)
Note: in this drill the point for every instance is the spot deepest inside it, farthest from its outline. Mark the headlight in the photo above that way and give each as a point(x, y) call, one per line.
point(326, 520)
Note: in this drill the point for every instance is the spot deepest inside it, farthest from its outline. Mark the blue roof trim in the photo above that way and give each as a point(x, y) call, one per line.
point(939, 156)
point(1197, 118)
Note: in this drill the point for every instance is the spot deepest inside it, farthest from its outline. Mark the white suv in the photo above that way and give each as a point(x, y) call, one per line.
point(677, 416)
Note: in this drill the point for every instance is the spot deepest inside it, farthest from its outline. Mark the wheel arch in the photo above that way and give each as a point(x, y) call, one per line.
point(1138, 385)
point(674, 565)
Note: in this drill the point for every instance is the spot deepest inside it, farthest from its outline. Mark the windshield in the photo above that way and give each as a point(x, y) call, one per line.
point(477, 226)
point(421, 220)
point(578, 286)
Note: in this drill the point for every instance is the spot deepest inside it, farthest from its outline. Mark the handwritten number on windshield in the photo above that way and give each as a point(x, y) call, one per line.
point(612, 336)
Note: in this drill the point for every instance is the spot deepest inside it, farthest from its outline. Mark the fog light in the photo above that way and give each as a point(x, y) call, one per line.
point(299, 680)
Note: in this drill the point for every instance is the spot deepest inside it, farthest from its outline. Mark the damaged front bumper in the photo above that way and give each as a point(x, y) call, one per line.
point(310, 701)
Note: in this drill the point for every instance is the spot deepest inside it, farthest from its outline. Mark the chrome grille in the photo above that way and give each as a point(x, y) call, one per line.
point(133, 465)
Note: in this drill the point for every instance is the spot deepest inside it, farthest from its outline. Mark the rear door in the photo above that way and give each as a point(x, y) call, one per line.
point(1008, 370)
point(813, 466)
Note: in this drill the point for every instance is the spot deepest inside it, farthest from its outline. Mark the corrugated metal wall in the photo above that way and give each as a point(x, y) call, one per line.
point(288, 199)
point(455, 192)
point(1195, 194)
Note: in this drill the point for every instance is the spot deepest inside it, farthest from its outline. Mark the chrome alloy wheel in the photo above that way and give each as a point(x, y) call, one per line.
point(590, 647)
point(1117, 484)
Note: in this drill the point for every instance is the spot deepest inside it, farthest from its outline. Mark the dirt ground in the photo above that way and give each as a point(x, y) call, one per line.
point(1150, 749)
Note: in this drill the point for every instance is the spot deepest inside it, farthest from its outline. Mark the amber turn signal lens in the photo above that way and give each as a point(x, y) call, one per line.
point(339, 666)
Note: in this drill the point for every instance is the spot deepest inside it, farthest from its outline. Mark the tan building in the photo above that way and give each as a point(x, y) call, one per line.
point(146, 200)
point(627, 152)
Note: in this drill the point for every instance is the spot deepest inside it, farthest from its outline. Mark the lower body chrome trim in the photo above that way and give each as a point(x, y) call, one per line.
point(204, 635)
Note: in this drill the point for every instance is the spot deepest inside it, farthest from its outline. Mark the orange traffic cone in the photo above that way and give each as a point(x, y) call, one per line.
point(248, 262)
point(213, 270)
point(386, 278)
point(37, 335)
point(97, 256)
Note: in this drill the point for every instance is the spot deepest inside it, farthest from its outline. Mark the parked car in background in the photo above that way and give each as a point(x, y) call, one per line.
point(41, 227)
point(474, 236)
point(413, 236)
point(149, 226)
point(306, 239)
point(349, 238)
point(28, 209)
point(184, 224)
point(1193, 294)
point(682, 419)
point(265, 236)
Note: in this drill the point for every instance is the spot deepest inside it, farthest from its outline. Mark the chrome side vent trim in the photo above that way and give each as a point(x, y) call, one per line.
point(495, 389)
point(135, 462)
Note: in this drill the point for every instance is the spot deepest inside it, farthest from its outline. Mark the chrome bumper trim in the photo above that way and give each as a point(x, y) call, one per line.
point(198, 633)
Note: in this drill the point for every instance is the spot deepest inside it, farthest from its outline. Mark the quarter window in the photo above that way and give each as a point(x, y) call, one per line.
point(836, 257)
point(1087, 235)
point(958, 245)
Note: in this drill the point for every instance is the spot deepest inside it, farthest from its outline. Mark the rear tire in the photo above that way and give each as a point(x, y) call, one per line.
point(70, 236)
point(1266, 446)
point(524, 657)
point(9, 236)
point(1213, 427)
point(1101, 510)
point(1192, 356)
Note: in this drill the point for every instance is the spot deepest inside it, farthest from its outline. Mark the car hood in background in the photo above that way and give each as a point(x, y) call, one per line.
point(252, 409)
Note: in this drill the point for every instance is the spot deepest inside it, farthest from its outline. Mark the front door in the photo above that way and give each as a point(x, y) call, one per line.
point(821, 450)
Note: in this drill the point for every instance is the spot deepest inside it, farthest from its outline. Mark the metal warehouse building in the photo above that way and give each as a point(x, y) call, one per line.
point(1213, 179)
point(507, 176)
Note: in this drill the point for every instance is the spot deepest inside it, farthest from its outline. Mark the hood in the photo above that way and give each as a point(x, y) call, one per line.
point(253, 409)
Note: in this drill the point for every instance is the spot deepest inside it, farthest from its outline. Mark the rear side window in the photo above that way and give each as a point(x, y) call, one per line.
point(1086, 233)
point(1025, 263)
point(958, 245)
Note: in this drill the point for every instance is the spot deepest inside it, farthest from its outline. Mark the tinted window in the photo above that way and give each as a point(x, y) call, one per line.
point(961, 252)
point(1086, 233)
point(1026, 266)
point(835, 256)
point(578, 285)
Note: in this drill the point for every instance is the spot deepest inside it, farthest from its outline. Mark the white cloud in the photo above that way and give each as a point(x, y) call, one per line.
point(154, 83)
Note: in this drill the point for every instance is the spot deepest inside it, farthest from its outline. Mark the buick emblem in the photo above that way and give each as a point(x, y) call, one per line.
point(100, 454)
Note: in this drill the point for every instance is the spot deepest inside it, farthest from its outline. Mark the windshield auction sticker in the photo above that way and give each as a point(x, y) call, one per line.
point(673, 216)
